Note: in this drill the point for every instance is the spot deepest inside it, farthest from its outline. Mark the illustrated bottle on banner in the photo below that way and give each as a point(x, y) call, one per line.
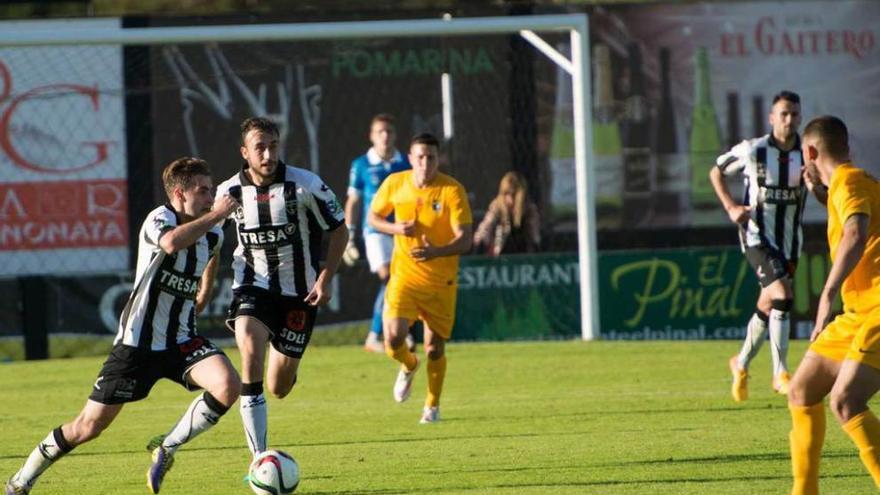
point(562, 176)
point(733, 120)
point(759, 117)
point(705, 139)
point(638, 173)
point(670, 200)
point(606, 143)
point(733, 137)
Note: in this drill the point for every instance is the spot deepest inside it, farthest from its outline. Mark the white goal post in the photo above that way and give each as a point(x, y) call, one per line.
point(527, 26)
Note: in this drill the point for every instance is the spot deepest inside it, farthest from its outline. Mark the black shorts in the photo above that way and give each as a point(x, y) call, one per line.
point(769, 265)
point(129, 373)
point(290, 320)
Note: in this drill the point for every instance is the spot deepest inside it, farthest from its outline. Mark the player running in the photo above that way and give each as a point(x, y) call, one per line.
point(157, 331)
point(432, 227)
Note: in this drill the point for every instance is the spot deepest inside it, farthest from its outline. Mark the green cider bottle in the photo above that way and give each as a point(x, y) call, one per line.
point(705, 138)
point(606, 142)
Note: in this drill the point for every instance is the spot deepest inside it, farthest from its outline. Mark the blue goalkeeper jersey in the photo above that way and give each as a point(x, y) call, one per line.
point(368, 171)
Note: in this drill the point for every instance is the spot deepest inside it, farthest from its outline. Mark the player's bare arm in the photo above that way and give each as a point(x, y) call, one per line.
point(407, 228)
point(185, 235)
point(352, 209)
point(206, 284)
point(737, 213)
point(461, 244)
point(849, 252)
point(320, 293)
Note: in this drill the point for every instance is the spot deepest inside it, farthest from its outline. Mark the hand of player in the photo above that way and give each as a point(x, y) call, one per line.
point(811, 177)
point(351, 253)
point(739, 214)
point(225, 205)
point(407, 228)
point(424, 252)
point(320, 293)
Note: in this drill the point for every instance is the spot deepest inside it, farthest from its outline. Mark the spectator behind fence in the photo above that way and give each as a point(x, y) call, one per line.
point(512, 222)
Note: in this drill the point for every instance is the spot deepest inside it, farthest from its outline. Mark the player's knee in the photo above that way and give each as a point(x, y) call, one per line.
point(797, 393)
point(783, 305)
point(394, 338)
point(282, 388)
point(434, 351)
point(228, 391)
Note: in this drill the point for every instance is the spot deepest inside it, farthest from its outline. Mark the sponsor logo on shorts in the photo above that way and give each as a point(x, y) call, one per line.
point(296, 319)
point(196, 348)
point(125, 388)
point(289, 336)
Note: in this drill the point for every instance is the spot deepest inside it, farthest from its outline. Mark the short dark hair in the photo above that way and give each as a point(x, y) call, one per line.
point(833, 134)
point(181, 172)
point(424, 138)
point(787, 95)
point(382, 117)
point(260, 124)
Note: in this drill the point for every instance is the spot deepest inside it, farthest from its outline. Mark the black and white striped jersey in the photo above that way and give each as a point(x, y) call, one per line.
point(775, 190)
point(279, 229)
point(160, 312)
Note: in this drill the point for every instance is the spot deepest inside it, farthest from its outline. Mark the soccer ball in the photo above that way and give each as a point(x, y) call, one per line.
point(274, 472)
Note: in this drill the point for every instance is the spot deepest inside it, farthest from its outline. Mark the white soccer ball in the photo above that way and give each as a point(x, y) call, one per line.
point(274, 472)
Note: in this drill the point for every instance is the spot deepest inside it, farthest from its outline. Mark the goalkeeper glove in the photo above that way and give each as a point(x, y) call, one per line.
point(351, 253)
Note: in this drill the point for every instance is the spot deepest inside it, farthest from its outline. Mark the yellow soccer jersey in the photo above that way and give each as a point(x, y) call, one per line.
point(853, 191)
point(437, 208)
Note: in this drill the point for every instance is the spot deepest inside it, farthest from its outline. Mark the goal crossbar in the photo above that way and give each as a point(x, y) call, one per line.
point(22, 34)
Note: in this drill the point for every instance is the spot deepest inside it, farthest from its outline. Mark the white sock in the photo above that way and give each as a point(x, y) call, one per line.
point(254, 418)
point(779, 329)
point(203, 413)
point(755, 332)
point(52, 448)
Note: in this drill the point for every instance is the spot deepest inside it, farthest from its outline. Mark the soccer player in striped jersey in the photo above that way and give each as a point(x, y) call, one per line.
point(432, 227)
point(277, 282)
point(843, 360)
point(771, 237)
point(368, 171)
point(157, 331)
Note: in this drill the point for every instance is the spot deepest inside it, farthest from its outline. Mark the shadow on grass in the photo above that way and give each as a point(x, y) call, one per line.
point(291, 446)
point(611, 482)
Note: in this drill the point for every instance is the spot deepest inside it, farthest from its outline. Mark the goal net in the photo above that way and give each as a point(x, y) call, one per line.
point(91, 111)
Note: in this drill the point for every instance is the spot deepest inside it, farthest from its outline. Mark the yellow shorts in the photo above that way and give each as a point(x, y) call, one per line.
point(433, 305)
point(851, 336)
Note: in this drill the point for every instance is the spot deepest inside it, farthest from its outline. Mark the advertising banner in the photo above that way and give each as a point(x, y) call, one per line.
point(674, 86)
point(63, 191)
point(695, 293)
point(518, 297)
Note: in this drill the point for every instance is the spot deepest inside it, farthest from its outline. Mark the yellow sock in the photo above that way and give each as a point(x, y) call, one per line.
point(402, 355)
point(436, 374)
point(806, 437)
point(864, 429)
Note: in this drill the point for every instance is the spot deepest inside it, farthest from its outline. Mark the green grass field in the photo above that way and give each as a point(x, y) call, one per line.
point(518, 418)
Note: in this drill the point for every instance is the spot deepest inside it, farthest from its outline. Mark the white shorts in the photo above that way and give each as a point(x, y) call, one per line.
point(378, 248)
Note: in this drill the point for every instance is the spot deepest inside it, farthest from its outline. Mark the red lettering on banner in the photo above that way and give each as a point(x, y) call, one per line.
point(769, 38)
point(101, 147)
point(6, 81)
point(71, 214)
point(733, 45)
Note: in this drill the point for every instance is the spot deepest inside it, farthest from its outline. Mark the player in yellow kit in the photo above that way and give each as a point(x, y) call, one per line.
point(431, 228)
point(843, 360)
